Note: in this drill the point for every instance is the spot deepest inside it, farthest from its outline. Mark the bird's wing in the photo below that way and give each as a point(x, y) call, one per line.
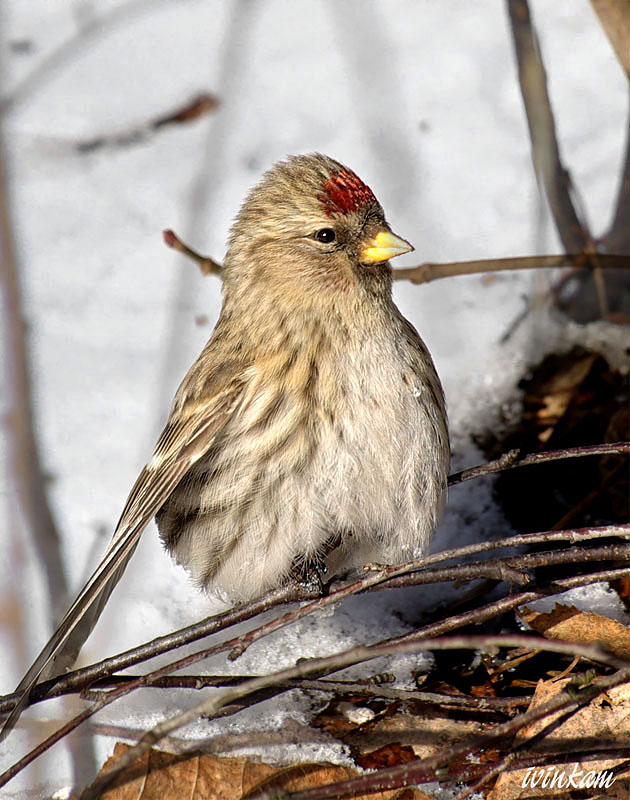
point(185, 439)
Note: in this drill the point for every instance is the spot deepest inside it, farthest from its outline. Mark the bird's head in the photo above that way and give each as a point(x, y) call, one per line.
point(311, 226)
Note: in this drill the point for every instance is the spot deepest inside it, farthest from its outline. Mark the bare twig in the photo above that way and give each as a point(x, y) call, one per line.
point(201, 104)
point(513, 459)
point(363, 688)
point(491, 773)
point(511, 761)
point(550, 171)
point(522, 746)
point(427, 272)
point(617, 239)
point(509, 569)
point(439, 766)
point(422, 635)
point(79, 679)
point(545, 151)
point(509, 603)
point(500, 569)
point(207, 265)
point(360, 654)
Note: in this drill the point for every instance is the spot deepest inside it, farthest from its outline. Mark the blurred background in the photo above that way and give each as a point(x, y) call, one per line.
point(120, 119)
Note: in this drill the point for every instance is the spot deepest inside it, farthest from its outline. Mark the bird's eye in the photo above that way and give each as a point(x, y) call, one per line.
point(325, 235)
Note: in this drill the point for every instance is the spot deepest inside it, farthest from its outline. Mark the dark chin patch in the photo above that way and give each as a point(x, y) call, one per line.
point(344, 192)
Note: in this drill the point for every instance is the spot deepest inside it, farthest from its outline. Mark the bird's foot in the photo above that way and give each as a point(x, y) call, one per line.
point(311, 575)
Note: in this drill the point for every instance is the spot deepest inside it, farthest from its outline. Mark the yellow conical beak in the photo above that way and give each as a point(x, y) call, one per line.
point(382, 247)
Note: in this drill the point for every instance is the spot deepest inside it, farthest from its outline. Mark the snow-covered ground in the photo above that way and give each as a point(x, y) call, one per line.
point(421, 98)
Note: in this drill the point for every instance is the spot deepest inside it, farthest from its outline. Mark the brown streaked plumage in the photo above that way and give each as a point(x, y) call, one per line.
point(313, 415)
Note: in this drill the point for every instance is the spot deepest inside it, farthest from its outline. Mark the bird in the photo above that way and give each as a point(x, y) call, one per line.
point(312, 427)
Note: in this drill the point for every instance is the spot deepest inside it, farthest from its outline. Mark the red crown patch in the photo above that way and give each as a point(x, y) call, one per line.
point(345, 192)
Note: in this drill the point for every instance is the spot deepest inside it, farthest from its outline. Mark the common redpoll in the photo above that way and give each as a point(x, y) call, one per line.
point(312, 425)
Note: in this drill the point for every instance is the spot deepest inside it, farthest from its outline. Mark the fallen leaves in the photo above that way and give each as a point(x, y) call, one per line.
point(388, 756)
point(571, 624)
point(587, 744)
point(164, 776)
point(393, 730)
point(603, 723)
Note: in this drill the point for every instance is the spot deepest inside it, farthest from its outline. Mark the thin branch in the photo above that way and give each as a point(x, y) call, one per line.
point(525, 539)
point(363, 688)
point(427, 272)
point(498, 570)
point(55, 737)
point(512, 762)
point(542, 131)
point(550, 171)
point(418, 636)
point(79, 679)
point(510, 569)
point(522, 746)
point(440, 765)
point(493, 772)
point(513, 459)
point(617, 239)
point(504, 604)
point(360, 654)
point(200, 104)
point(207, 265)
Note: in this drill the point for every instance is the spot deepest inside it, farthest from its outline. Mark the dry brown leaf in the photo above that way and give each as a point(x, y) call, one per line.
point(164, 776)
point(614, 16)
point(573, 625)
point(389, 756)
point(483, 690)
point(489, 756)
point(558, 390)
point(605, 720)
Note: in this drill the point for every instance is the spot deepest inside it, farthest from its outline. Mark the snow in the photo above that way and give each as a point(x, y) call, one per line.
point(421, 99)
point(598, 598)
